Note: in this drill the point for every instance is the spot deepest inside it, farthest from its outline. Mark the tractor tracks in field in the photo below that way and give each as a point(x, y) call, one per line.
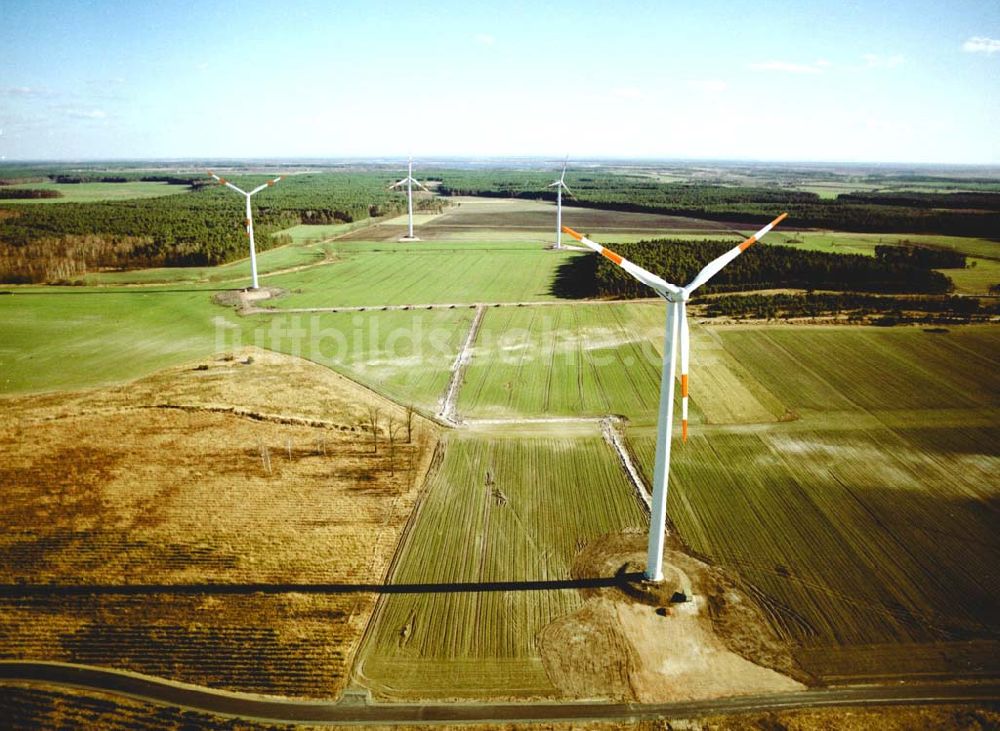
point(611, 430)
point(447, 411)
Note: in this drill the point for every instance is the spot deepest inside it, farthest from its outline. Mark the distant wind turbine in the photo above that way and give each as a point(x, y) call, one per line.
point(560, 185)
point(410, 182)
point(248, 222)
point(677, 328)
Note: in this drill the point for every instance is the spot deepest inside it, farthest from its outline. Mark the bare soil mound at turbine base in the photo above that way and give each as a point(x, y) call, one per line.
point(716, 643)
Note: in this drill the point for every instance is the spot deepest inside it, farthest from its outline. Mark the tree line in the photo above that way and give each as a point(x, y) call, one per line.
point(856, 306)
point(760, 267)
point(958, 214)
point(28, 193)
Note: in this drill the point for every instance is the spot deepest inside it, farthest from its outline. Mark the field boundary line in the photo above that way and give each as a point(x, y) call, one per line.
point(439, 306)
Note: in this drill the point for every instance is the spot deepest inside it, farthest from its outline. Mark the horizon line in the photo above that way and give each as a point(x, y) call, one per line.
point(430, 158)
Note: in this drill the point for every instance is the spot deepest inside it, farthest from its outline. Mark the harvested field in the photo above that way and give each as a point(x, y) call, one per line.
point(498, 513)
point(128, 508)
point(836, 368)
point(859, 542)
point(867, 525)
point(499, 213)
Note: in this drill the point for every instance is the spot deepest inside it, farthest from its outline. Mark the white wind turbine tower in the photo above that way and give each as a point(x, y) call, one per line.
point(410, 182)
point(677, 328)
point(248, 222)
point(560, 185)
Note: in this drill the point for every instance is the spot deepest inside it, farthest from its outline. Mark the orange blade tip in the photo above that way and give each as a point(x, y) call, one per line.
point(571, 232)
point(781, 218)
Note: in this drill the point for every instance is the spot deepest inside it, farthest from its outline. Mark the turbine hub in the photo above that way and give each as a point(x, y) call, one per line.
point(681, 296)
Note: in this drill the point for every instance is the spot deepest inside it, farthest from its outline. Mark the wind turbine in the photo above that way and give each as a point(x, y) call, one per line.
point(559, 185)
point(249, 219)
point(410, 182)
point(677, 328)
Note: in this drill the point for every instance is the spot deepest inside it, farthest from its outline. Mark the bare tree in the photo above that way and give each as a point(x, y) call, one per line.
point(265, 455)
point(373, 414)
point(393, 432)
point(409, 424)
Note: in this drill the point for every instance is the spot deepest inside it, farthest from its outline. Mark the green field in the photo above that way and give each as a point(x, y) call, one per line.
point(497, 510)
point(568, 360)
point(870, 521)
point(68, 338)
point(93, 192)
point(404, 354)
point(423, 273)
point(839, 242)
point(976, 279)
point(236, 273)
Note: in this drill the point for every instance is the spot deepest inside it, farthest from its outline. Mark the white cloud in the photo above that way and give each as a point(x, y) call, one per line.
point(874, 61)
point(628, 92)
point(709, 86)
point(485, 39)
point(790, 68)
point(981, 44)
point(87, 113)
point(19, 91)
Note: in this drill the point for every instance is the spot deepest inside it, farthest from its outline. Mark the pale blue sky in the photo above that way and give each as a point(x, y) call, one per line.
point(879, 80)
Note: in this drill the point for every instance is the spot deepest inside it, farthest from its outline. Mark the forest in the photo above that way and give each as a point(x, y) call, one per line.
point(956, 214)
point(761, 267)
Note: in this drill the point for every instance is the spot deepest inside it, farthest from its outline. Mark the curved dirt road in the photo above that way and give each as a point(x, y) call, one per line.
point(261, 708)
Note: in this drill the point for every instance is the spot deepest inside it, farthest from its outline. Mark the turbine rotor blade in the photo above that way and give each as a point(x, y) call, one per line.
point(685, 362)
point(420, 185)
point(717, 264)
point(648, 278)
point(268, 184)
point(398, 183)
point(566, 188)
point(223, 181)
